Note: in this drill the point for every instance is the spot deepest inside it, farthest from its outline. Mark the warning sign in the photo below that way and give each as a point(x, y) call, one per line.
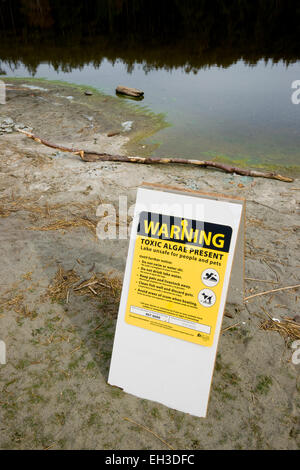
point(185, 255)
point(177, 276)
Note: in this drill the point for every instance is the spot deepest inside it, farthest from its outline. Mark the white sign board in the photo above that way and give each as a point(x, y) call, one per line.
point(174, 293)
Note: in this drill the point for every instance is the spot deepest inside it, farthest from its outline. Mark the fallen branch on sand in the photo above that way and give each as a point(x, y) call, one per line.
point(96, 156)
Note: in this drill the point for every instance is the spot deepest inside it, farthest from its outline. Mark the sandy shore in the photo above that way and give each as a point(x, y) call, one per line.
point(53, 387)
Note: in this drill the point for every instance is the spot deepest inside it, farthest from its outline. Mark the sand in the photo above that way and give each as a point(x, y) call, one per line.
point(54, 391)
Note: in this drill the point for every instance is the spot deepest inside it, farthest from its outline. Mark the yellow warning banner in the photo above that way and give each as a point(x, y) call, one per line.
point(177, 276)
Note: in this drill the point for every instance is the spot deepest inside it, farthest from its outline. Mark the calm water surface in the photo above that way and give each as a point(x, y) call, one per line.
point(217, 104)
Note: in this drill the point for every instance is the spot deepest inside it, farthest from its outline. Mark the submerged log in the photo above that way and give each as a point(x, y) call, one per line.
point(97, 156)
point(124, 90)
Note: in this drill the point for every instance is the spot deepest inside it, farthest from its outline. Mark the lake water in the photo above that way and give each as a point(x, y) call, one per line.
point(231, 106)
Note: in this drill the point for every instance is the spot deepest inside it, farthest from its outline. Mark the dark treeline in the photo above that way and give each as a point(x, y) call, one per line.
point(156, 33)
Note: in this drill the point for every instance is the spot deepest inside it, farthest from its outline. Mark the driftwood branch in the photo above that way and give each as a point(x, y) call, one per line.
point(124, 90)
point(97, 156)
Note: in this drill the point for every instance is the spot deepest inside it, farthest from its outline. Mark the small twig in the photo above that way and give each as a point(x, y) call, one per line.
point(260, 280)
point(92, 290)
point(76, 349)
point(104, 285)
point(49, 447)
point(50, 339)
point(86, 285)
point(99, 326)
point(226, 314)
point(231, 326)
point(265, 311)
point(290, 320)
point(149, 430)
point(273, 290)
